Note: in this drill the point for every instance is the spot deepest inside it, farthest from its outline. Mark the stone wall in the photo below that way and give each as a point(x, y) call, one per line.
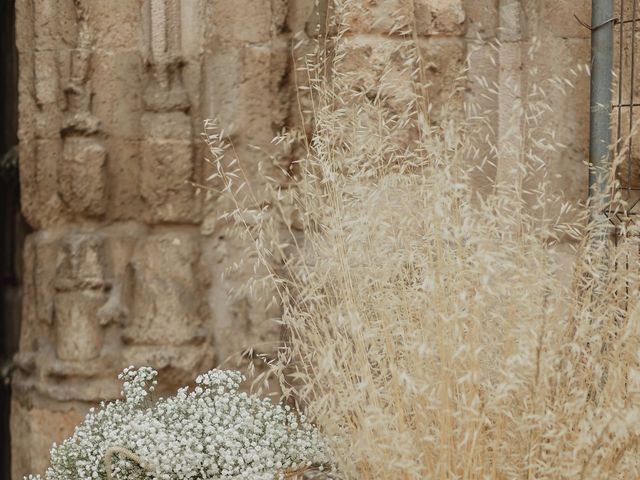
point(124, 266)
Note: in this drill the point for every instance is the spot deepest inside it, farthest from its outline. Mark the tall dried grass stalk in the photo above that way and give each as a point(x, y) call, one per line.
point(434, 333)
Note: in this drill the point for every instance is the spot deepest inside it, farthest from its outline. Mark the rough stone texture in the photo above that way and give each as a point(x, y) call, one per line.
point(125, 263)
point(39, 428)
point(556, 18)
point(482, 20)
point(377, 67)
point(432, 17)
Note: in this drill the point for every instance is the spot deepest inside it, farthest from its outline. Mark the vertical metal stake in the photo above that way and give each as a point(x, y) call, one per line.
point(601, 83)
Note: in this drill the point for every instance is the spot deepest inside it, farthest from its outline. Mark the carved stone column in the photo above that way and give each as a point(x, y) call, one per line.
point(82, 169)
point(167, 136)
point(112, 98)
point(81, 288)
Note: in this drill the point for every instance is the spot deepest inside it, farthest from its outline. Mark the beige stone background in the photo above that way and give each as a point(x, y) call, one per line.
point(125, 260)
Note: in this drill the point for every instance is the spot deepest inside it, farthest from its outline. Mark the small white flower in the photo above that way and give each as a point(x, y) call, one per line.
point(214, 432)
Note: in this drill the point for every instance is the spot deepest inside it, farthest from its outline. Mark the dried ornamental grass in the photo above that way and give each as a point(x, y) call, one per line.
point(435, 333)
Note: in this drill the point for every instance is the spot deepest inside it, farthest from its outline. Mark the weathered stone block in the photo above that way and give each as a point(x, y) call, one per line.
point(54, 22)
point(121, 239)
point(48, 122)
point(512, 21)
point(239, 94)
point(115, 25)
point(239, 322)
point(167, 126)
point(45, 97)
point(81, 262)
point(29, 188)
point(366, 61)
point(191, 75)
point(123, 172)
point(82, 179)
point(298, 14)
point(167, 169)
point(40, 201)
point(556, 18)
point(439, 17)
point(167, 306)
point(46, 81)
point(25, 44)
point(377, 67)
point(78, 330)
point(444, 62)
point(429, 17)
point(222, 73)
point(28, 333)
point(228, 22)
point(34, 429)
point(256, 94)
point(164, 91)
point(116, 81)
point(482, 18)
point(193, 21)
point(80, 291)
point(375, 16)
point(45, 255)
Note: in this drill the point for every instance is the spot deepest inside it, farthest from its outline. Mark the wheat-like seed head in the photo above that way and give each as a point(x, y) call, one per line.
point(443, 322)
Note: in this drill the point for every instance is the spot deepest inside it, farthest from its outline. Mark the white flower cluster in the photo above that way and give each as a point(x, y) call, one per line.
point(212, 432)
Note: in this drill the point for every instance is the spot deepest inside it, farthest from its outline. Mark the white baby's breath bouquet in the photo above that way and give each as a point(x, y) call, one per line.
point(212, 432)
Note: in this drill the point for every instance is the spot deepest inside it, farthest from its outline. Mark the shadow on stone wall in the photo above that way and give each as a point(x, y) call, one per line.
point(12, 225)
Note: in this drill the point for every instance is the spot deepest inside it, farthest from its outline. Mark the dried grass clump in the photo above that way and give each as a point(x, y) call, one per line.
point(433, 333)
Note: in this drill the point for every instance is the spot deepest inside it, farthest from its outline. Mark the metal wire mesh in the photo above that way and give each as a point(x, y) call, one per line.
point(626, 203)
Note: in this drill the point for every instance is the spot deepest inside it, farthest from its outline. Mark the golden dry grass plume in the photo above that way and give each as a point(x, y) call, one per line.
point(432, 331)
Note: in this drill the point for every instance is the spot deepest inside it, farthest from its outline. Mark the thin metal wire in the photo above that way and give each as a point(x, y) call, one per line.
point(613, 20)
point(624, 105)
point(618, 20)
